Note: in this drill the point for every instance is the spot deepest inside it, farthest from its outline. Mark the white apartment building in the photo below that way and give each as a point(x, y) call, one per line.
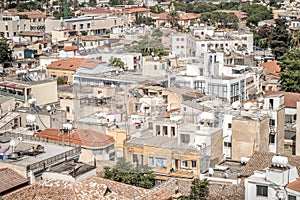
point(279, 181)
point(91, 24)
point(202, 39)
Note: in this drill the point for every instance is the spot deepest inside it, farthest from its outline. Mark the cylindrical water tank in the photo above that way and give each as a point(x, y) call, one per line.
point(280, 161)
point(30, 118)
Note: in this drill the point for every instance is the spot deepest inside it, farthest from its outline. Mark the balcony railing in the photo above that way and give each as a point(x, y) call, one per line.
point(20, 97)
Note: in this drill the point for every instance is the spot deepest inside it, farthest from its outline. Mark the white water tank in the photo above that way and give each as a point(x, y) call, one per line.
point(244, 160)
point(67, 126)
point(247, 106)
point(235, 105)
point(280, 161)
point(30, 118)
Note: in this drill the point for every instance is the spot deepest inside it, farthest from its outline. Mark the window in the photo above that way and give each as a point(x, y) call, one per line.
point(68, 109)
point(134, 159)
point(184, 164)
point(193, 163)
point(229, 125)
point(262, 190)
point(272, 138)
point(182, 39)
point(74, 27)
point(227, 144)
point(151, 161)
point(81, 26)
point(272, 122)
point(161, 162)
point(292, 197)
point(184, 108)
point(6, 27)
point(142, 160)
point(88, 25)
point(185, 138)
point(155, 67)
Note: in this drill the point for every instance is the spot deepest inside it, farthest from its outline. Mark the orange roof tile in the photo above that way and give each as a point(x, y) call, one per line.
point(32, 14)
point(10, 179)
point(160, 16)
point(70, 48)
point(290, 98)
point(272, 67)
point(73, 64)
point(295, 185)
point(182, 16)
point(135, 9)
point(83, 137)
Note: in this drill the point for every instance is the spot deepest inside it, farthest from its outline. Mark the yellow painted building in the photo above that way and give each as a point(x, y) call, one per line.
point(164, 155)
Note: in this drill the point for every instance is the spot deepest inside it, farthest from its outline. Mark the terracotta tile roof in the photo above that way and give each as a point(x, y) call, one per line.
point(94, 188)
point(182, 16)
point(91, 38)
point(236, 12)
point(70, 48)
point(10, 179)
point(32, 14)
point(187, 16)
point(39, 191)
point(135, 9)
point(160, 16)
point(28, 33)
point(73, 64)
point(272, 67)
point(83, 137)
point(99, 11)
point(290, 98)
point(261, 160)
point(295, 185)
point(13, 85)
point(179, 187)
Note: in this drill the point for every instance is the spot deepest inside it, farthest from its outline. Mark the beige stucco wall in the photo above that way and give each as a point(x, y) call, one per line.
point(60, 73)
point(7, 105)
point(248, 136)
point(280, 130)
point(45, 93)
point(120, 136)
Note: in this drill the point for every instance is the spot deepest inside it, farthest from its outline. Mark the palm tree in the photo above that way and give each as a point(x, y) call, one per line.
point(263, 43)
point(173, 18)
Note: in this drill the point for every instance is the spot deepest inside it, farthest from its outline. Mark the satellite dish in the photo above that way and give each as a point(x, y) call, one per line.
point(30, 118)
point(48, 108)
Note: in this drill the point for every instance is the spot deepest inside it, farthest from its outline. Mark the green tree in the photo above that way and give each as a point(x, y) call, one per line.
point(256, 13)
point(157, 33)
point(173, 18)
point(290, 71)
point(92, 3)
point(156, 9)
point(280, 39)
point(295, 41)
point(116, 62)
point(5, 50)
point(125, 172)
point(199, 190)
point(60, 80)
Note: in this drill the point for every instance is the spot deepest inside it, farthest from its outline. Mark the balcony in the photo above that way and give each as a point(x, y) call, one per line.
point(20, 97)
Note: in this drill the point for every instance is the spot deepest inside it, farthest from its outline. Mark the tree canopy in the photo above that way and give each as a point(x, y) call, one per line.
point(116, 62)
point(290, 71)
point(5, 51)
point(125, 172)
point(199, 190)
point(280, 39)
